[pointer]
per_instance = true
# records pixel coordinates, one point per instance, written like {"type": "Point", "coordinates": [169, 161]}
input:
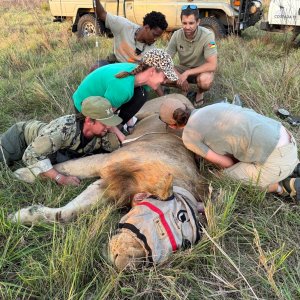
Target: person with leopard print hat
{"type": "Point", "coordinates": [125, 85]}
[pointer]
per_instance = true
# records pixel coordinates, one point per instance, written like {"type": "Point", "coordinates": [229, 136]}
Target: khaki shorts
{"type": "Point", "coordinates": [279, 165]}
{"type": "Point", "coordinates": [181, 69]}
{"type": "Point", "coordinates": [193, 78]}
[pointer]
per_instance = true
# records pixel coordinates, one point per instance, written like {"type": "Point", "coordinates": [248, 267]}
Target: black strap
{"type": "Point", "coordinates": [172, 197]}
{"type": "Point", "coordinates": [199, 230]}
{"type": "Point", "coordinates": [140, 236]}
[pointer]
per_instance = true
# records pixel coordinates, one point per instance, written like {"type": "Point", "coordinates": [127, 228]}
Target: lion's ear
{"type": "Point", "coordinates": [164, 188]}
{"type": "Point", "coordinates": [125, 251]}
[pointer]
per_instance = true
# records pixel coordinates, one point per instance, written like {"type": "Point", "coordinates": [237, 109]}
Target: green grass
{"type": "Point", "coordinates": [251, 246]}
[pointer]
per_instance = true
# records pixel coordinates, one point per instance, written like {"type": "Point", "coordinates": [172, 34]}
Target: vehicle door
{"type": "Point", "coordinates": [134, 10]}
{"type": "Point", "coordinates": [284, 12]}
{"type": "Point", "coordinates": [170, 8]}
{"type": "Point", "coordinates": [113, 6]}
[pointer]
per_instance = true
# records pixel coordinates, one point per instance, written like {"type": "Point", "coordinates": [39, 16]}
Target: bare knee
{"type": "Point", "coordinates": [205, 80]}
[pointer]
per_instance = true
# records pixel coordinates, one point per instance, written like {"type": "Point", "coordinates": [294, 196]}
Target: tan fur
{"type": "Point", "coordinates": [123, 181]}
{"type": "Point", "coordinates": [150, 164]}
{"type": "Point", "coordinates": [125, 251]}
{"type": "Point", "coordinates": [146, 162]}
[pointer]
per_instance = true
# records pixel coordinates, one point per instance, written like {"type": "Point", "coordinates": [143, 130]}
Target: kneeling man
{"type": "Point", "coordinates": [197, 53]}
{"type": "Point", "coordinates": [40, 145]}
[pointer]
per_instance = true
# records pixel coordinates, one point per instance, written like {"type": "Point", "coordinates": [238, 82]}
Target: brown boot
{"type": "Point", "coordinates": [296, 172]}
{"type": "Point", "coordinates": [291, 186]}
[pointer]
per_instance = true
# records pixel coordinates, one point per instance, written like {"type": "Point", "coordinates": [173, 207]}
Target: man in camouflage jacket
{"type": "Point", "coordinates": [40, 145]}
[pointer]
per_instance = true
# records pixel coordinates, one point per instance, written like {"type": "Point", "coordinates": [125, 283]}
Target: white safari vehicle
{"type": "Point", "coordinates": [283, 15]}
{"type": "Point", "coordinates": [222, 16]}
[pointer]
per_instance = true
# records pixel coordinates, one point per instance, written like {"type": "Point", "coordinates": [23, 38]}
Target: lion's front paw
{"type": "Point", "coordinates": [28, 216]}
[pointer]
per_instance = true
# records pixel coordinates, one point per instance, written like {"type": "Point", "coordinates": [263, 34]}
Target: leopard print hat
{"type": "Point", "coordinates": [161, 60]}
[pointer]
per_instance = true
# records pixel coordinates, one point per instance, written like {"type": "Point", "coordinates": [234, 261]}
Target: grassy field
{"type": "Point", "coordinates": [251, 248]}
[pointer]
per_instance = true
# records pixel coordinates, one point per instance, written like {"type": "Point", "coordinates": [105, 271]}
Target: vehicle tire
{"type": "Point", "coordinates": [215, 26]}
{"type": "Point", "coordinates": [88, 27]}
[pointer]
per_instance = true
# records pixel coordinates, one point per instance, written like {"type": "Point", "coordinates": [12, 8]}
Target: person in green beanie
{"type": "Point", "coordinates": [39, 145]}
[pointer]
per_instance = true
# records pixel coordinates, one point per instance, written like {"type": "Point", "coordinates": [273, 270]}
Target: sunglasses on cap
{"type": "Point", "coordinates": [190, 6]}
{"type": "Point", "coordinates": [138, 51]}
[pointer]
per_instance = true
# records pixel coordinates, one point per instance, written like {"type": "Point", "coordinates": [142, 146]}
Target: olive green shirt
{"type": "Point", "coordinates": [192, 53]}
{"type": "Point", "coordinates": [62, 133]}
{"type": "Point", "coordinates": [231, 130]}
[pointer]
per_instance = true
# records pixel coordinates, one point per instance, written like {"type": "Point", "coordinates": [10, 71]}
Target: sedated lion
{"type": "Point", "coordinates": [154, 163]}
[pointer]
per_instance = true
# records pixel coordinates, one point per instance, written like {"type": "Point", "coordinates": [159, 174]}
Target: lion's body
{"type": "Point", "coordinates": [147, 164]}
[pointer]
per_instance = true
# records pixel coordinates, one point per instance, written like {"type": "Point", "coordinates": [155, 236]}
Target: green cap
{"type": "Point", "coordinates": [100, 109]}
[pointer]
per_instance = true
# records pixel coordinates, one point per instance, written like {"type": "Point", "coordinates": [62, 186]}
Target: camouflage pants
{"type": "Point", "coordinates": [12, 144]}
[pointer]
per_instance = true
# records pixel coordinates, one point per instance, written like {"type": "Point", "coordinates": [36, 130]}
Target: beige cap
{"type": "Point", "coordinates": [100, 109]}
{"type": "Point", "coordinates": [167, 109]}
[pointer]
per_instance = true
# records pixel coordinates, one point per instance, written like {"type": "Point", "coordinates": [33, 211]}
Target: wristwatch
{"type": "Point", "coordinates": [58, 177]}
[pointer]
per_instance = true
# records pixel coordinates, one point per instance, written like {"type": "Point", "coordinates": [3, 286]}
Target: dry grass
{"type": "Point", "coordinates": [251, 245]}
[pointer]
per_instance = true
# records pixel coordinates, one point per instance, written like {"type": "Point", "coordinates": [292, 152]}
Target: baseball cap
{"type": "Point", "coordinates": [100, 109]}
{"type": "Point", "coordinates": [161, 60]}
{"type": "Point", "coordinates": [167, 109]}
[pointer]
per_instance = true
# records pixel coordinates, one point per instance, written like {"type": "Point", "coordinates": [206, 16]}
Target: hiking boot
{"type": "Point", "coordinates": [296, 172]}
{"type": "Point", "coordinates": [291, 186]}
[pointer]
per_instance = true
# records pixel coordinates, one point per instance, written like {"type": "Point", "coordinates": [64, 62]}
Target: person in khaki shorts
{"type": "Point", "coordinates": [39, 145]}
{"type": "Point", "coordinates": [248, 146]}
{"type": "Point", "coordinates": [197, 52]}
